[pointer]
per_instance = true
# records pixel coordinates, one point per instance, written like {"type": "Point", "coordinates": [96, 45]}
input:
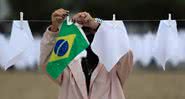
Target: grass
{"type": "Point", "coordinates": [156, 85]}
{"type": "Point", "coordinates": [142, 84]}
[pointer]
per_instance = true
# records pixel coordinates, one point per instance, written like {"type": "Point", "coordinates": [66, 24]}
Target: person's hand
{"type": "Point", "coordinates": [57, 18]}
{"type": "Point", "coordinates": [86, 20]}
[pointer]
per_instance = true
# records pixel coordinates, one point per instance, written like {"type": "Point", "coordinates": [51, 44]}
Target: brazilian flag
{"type": "Point", "coordinates": [70, 42]}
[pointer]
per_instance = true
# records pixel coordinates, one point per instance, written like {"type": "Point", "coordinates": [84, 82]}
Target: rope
{"type": "Point", "coordinates": [122, 20]}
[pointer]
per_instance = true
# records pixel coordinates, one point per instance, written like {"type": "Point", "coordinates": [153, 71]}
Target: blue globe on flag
{"type": "Point", "coordinates": [61, 47]}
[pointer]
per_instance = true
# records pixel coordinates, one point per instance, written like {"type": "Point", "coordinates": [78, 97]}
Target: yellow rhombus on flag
{"type": "Point", "coordinates": [70, 40]}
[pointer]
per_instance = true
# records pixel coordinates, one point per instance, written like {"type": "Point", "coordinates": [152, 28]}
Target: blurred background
{"type": "Point", "coordinates": [141, 19]}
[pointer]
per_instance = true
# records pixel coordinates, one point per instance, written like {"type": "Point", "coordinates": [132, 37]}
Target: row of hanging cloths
{"type": "Point", "coordinates": [108, 45]}
{"type": "Point", "coordinates": [166, 44]}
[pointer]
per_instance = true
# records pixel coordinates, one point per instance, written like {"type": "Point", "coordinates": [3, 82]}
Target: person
{"type": "Point", "coordinates": [86, 78]}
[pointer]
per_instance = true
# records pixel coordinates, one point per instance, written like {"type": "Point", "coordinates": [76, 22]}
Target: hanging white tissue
{"type": "Point", "coordinates": [20, 40]}
{"type": "Point", "coordinates": [110, 43]}
{"type": "Point", "coordinates": [166, 43]}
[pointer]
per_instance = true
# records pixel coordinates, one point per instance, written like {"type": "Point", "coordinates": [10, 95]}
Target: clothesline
{"type": "Point", "coordinates": [27, 20]}
{"type": "Point", "coordinates": [122, 20]}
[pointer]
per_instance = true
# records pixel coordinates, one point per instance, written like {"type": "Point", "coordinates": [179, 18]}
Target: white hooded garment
{"type": "Point", "coordinates": [110, 43]}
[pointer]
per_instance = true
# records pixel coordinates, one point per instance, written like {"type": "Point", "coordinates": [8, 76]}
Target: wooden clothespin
{"type": "Point", "coordinates": [114, 17]}
{"type": "Point", "coordinates": [169, 19]}
{"type": "Point", "coordinates": [114, 20]}
{"type": "Point", "coordinates": [21, 19]}
{"type": "Point", "coordinates": [169, 16]}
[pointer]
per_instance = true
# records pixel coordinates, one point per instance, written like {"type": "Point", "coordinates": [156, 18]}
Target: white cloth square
{"type": "Point", "coordinates": [20, 40]}
{"type": "Point", "coordinates": [110, 43]}
{"type": "Point", "coordinates": [166, 43]}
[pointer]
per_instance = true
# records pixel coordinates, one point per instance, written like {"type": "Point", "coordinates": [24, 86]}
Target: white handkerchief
{"type": "Point", "coordinates": [110, 43]}
{"type": "Point", "coordinates": [20, 40]}
{"type": "Point", "coordinates": [166, 43]}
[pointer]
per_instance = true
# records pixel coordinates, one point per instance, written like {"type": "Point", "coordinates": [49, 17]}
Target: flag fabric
{"type": "Point", "coordinates": [70, 42]}
{"type": "Point", "coordinates": [20, 40]}
{"type": "Point", "coordinates": [166, 43]}
{"type": "Point", "coordinates": [110, 43]}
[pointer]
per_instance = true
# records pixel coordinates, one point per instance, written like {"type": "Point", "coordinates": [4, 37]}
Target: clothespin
{"type": "Point", "coordinates": [114, 17]}
{"type": "Point", "coordinates": [114, 20]}
{"type": "Point", "coordinates": [21, 19]}
{"type": "Point", "coordinates": [69, 22]}
{"type": "Point", "coordinates": [169, 19]}
{"type": "Point", "coordinates": [169, 16]}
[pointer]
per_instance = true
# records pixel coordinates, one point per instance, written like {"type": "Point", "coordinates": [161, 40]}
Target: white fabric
{"type": "Point", "coordinates": [142, 47]}
{"type": "Point", "coordinates": [20, 40]}
{"type": "Point", "coordinates": [136, 44]}
{"type": "Point", "coordinates": [30, 57]}
{"type": "Point", "coordinates": [3, 49]}
{"type": "Point", "coordinates": [182, 47]}
{"type": "Point", "coordinates": [166, 44]}
{"type": "Point", "coordinates": [110, 43]}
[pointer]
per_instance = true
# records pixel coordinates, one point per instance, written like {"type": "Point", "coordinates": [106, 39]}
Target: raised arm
{"type": "Point", "coordinates": [46, 45]}
{"type": "Point", "coordinates": [124, 67]}
{"type": "Point", "coordinates": [48, 40]}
